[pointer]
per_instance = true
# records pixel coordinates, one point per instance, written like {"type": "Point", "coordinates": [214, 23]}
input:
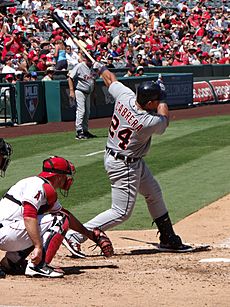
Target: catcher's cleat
{"type": "Point", "coordinates": [74, 248]}
{"type": "Point", "coordinates": [42, 271]}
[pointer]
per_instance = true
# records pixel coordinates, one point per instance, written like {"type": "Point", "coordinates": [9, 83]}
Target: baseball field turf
{"type": "Point", "coordinates": [191, 161]}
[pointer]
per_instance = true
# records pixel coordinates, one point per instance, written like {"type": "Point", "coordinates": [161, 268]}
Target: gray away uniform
{"type": "Point", "coordinates": [83, 77]}
{"type": "Point", "coordinates": [128, 141]}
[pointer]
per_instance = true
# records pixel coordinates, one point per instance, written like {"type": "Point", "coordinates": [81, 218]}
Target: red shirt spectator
{"type": "Point", "coordinates": [42, 63]}
{"type": "Point", "coordinates": [13, 43]}
{"type": "Point", "coordinates": [177, 60]}
{"type": "Point", "coordinates": [100, 24]}
{"type": "Point", "coordinates": [103, 39]}
{"type": "Point", "coordinates": [115, 22]}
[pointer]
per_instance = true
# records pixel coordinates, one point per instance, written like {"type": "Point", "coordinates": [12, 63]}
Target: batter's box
{"type": "Point", "coordinates": [157, 249]}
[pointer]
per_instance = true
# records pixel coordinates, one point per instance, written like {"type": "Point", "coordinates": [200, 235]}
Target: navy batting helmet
{"type": "Point", "coordinates": [148, 91]}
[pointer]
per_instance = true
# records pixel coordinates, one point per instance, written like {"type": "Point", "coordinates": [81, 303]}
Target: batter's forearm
{"type": "Point", "coordinates": [108, 77]}
{"type": "Point", "coordinates": [163, 110]}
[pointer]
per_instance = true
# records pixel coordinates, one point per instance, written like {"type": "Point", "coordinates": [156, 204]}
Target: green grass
{"type": "Point", "coordinates": [191, 161]}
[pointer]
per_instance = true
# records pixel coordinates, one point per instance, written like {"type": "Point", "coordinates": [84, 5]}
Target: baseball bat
{"type": "Point", "coordinates": [64, 27]}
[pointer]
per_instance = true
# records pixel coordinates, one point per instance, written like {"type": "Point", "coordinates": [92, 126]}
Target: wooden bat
{"type": "Point", "coordinates": [64, 27]}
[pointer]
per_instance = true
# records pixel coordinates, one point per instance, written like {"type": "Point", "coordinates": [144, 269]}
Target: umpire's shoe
{"type": "Point", "coordinates": [43, 270]}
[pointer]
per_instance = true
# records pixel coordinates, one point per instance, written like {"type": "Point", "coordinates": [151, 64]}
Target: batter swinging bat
{"type": "Point", "coordinates": [64, 27]}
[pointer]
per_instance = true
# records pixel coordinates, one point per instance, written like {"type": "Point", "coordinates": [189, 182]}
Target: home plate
{"type": "Point", "coordinates": [215, 260]}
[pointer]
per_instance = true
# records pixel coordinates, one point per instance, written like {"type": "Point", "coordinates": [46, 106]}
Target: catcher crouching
{"type": "Point", "coordinates": [33, 222]}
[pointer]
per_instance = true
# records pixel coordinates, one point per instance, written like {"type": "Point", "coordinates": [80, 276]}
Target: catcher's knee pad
{"type": "Point", "coordinates": [55, 236]}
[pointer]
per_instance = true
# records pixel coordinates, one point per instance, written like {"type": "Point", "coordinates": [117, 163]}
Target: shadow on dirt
{"type": "Point", "coordinates": [75, 270]}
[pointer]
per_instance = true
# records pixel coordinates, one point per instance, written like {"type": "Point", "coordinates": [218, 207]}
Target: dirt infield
{"type": "Point", "coordinates": [138, 275]}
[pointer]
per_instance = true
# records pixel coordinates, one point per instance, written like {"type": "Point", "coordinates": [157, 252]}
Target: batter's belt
{"type": "Point", "coordinates": [119, 156]}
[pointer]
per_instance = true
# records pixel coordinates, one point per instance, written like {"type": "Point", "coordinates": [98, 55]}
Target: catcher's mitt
{"type": "Point", "coordinates": [101, 240]}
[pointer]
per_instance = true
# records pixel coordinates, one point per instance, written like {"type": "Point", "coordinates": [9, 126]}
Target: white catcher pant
{"type": "Point", "coordinates": [126, 181]}
{"type": "Point", "coordinates": [14, 237]}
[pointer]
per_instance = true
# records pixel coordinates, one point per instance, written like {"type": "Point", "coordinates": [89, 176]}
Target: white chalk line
{"type": "Point", "coordinates": [208, 260]}
{"type": "Point", "coordinates": [93, 153]}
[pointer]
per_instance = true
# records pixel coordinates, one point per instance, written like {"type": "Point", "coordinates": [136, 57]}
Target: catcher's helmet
{"type": "Point", "coordinates": [57, 166]}
{"type": "Point", "coordinates": [148, 91]}
{"type": "Point", "coordinates": [5, 153]}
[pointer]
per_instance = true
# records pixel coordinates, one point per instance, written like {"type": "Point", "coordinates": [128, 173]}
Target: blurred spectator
{"type": "Point", "coordinates": [34, 76]}
{"type": "Point", "coordinates": [129, 10]}
{"type": "Point", "coordinates": [49, 74]}
{"type": "Point", "coordinates": [13, 43]}
{"type": "Point", "coordinates": [34, 63]}
{"type": "Point", "coordinates": [60, 54]}
{"type": "Point", "coordinates": [9, 78]}
{"type": "Point", "coordinates": [155, 26]}
{"type": "Point", "coordinates": [140, 72]}
{"type": "Point", "coordinates": [130, 72]}
{"type": "Point", "coordinates": [8, 66]}
{"type": "Point", "coordinates": [140, 61]}
{"type": "Point", "coordinates": [3, 27]}
{"type": "Point", "coordinates": [130, 61]}
{"type": "Point", "coordinates": [72, 57]}
{"type": "Point", "coordinates": [215, 50]}
{"type": "Point", "coordinates": [156, 61]}
{"type": "Point", "coordinates": [110, 62]}
{"type": "Point", "coordinates": [41, 64]}
{"type": "Point", "coordinates": [26, 77]}
{"type": "Point", "coordinates": [177, 60]}
{"type": "Point", "coordinates": [18, 75]}
{"type": "Point", "coordinates": [115, 22]}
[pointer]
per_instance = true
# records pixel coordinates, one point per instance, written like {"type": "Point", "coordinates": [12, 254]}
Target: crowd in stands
{"type": "Point", "coordinates": [132, 34]}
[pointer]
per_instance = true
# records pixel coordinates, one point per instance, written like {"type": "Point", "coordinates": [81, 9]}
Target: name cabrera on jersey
{"type": "Point", "coordinates": [131, 128]}
{"type": "Point", "coordinates": [27, 190]}
{"type": "Point", "coordinates": [83, 77]}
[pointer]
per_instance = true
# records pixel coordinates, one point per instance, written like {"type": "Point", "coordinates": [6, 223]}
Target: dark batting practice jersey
{"type": "Point", "coordinates": [131, 128]}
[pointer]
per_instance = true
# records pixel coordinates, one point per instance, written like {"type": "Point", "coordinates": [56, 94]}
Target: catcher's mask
{"type": "Point", "coordinates": [55, 166]}
{"type": "Point", "coordinates": [5, 153]}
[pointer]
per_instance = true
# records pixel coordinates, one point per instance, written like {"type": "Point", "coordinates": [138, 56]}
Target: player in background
{"type": "Point", "coordinates": [5, 154]}
{"type": "Point", "coordinates": [136, 118]}
{"type": "Point", "coordinates": [81, 81]}
{"type": "Point", "coordinates": [32, 220]}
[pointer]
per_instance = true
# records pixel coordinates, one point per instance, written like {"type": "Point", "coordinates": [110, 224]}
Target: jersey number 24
{"type": "Point", "coordinates": [122, 134]}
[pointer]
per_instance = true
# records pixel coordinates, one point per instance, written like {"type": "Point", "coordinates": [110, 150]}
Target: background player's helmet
{"type": "Point", "coordinates": [148, 91]}
{"type": "Point", "coordinates": [55, 166]}
{"type": "Point", "coordinates": [5, 153]}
